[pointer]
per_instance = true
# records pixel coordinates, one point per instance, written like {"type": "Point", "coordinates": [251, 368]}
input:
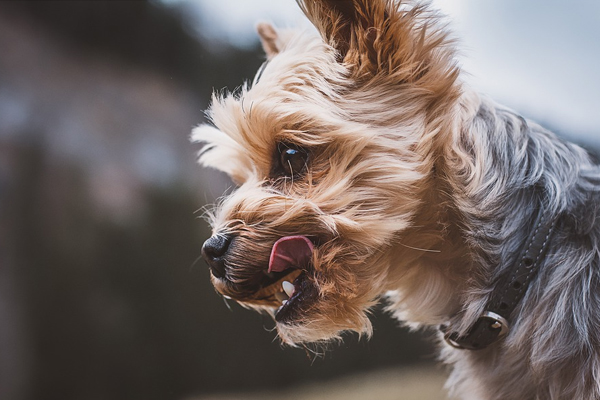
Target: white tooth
{"type": "Point", "coordinates": [288, 288]}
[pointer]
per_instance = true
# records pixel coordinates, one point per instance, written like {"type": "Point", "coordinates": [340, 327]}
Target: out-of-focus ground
{"type": "Point", "coordinates": [414, 383]}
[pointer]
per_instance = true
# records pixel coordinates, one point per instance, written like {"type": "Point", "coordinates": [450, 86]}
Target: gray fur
{"type": "Point", "coordinates": [553, 349]}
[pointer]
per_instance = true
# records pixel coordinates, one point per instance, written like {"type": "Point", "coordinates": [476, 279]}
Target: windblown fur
{"type": "Point", "coordinates": [415, 189]}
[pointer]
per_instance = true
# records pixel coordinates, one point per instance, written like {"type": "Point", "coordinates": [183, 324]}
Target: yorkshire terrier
{"type": "Point", "coordinates": [369, 171]}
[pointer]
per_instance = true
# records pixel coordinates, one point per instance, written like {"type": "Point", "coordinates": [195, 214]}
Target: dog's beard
{"type": "Point", "coordinates": [315, 278]}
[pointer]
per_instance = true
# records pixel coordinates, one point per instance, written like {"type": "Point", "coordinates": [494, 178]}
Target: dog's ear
{"type": "Point", "coordinates": [379, 36]}
{"type": "Point", "coordinates": [334, 19]}
{"type": "Point", "coordinates": [269, 39]}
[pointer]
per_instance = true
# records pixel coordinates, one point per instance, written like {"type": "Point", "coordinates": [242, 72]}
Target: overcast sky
{"type": "Point", "coordinates": [541, 57]}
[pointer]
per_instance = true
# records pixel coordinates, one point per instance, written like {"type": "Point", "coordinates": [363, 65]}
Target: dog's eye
{"type": "Point", "coordinates": [292, 160]}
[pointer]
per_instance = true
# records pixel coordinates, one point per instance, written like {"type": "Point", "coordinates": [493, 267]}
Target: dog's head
{"type": "Point", "coordinates": [332, 147]}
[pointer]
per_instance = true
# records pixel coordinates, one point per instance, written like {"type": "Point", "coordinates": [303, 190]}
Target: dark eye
{"type": "Point", "coordinates": [292, 160]}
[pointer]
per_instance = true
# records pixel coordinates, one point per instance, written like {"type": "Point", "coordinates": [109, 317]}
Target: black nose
{"type": "Point", "coordinates": [214, 250]}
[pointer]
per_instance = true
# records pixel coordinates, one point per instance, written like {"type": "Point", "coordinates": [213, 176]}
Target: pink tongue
{"type": "Point", "coordinates": [290, 252]}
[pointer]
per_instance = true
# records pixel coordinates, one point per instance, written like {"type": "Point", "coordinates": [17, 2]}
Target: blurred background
{"type": "Point", "coordinates": [102, 293]}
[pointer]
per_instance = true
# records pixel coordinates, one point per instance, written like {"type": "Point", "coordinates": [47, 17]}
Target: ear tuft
{"type": "Point", "coordinates": [268, 38]}
{"type": "Point", "coordinates": [333, 19]}
{"type": "Point", "coordinates": [398, 38]}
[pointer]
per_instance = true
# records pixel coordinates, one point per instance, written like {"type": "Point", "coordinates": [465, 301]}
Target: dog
{"type": "Point", "coordinates": [369, 171]}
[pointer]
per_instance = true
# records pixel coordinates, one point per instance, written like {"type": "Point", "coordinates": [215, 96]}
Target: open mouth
{"type": "Point", "coordinates": [289, 284]}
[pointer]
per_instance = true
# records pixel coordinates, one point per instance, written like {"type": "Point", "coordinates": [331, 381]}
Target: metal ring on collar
{"type": "Point", "coordinates": [499, 322]}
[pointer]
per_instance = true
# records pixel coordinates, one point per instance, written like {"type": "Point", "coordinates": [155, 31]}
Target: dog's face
{"type": "Point", "coordinates": [331, 147]}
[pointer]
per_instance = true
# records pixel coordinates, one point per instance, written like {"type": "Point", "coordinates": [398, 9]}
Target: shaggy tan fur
{"type": "Point", "coordinates": [371, 169]}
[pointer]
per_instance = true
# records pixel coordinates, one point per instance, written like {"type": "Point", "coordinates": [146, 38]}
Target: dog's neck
{"type": "Point", "coordinates": [430, 262]}
{"type": "Point", "coordinates": [435, 272]}
{"type": "Point", "coordinates": [459, 283]}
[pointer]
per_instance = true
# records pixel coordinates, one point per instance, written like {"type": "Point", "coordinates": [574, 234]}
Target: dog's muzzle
{"type": "Point", "coordinates": [214, 250]}
{"type": "Point", "coordinates": [283, 280]}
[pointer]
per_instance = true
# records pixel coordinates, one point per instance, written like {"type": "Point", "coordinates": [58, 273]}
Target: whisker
{"type": "Point", "coordinates": [419, 249]}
